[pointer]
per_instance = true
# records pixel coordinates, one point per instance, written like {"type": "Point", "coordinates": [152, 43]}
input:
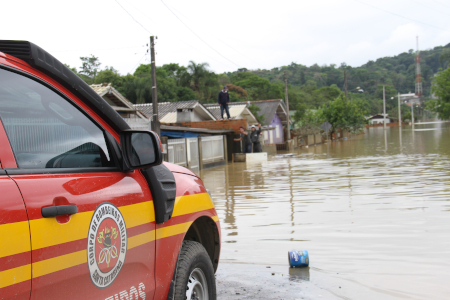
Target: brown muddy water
{"type": "Point", "coordinates": [373, 211]}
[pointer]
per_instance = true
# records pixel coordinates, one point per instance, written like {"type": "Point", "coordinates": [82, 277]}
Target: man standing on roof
{"type": "Point", "coordinates": [254, 137]}
{"type": "Point", "coordinates": [244, 136]}
{"type": "Point", "coordinates": [223, 100]}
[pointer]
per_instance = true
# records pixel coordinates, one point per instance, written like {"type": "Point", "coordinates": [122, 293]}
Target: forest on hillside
{"type": "Point", "coordinates": [308, 87]}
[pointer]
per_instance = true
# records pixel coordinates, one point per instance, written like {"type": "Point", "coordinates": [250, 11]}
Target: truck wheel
{"type": "Point", "coordinates": [194, 279]}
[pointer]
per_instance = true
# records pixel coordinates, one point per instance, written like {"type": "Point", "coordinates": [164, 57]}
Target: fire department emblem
{"type": "Point", "coordinates": [106, 245]}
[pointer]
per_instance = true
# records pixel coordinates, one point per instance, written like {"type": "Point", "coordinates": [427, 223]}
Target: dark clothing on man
{"type": "Point", "coordinates": [254, 136]}
{"type": "Point", "coordinates": [248, 148]}
{"type": "Point", "coordinates": [247, 143]}
{"type": "Point", "coordinates": [223, 100]}
{"type": "Point", "coordinates": [224, 107]}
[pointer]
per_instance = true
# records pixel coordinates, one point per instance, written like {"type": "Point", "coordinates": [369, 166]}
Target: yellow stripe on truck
{"type": "Point", "coordinates": [15, 238]}
{"type": "Point", "coordinates": [48, 232]}
{"type": "Point", "coordinates": [172, 230]}
{"type": "Point", "coordinates": [59, 263]}
{"type": "Point", "coordinates": [15, 275]}
{"type": "Point", "coordinates": [192, 203]}
{"type": "Point", "coordinates": [73, 259]}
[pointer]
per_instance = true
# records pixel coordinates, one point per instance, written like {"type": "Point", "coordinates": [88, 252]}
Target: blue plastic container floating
{"type": "Point", "coordinates": [298, 259]}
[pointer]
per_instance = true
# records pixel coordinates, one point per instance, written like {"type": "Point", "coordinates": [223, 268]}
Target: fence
{"type": "Point", "coordinates": [186, 152]}
{"type": "Point", "coordinates": [176, 149]}
{"type": "Point", "coordinates": [212, 148]}
{"type": "Point", "coordinates": [193, 160]}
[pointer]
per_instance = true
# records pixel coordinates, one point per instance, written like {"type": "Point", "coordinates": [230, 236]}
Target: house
{"type": "Point", "coordinates": [275, 115]}
{"type": "Point", "coordinates": [409, 98]}
{"type": "Point", "coordinates": [176, 112]}
{"type": "Point", "coordinates": [379, 119]}
{"type": "Point", "coordinates": [238, 110]}
{"type": "Point", "coordinates": [124, 108]}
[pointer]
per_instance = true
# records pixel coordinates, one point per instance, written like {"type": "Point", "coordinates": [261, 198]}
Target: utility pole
{"type": "Point", "coordinates": [384, 108]}
{"type": "Point", "coordinates": [412, 115]}
{"type": "Point", "coordinates": [345, 83]}
{"type": "Point", "coordinates": [287, 106]}
{"type": "Point", "coordinates": [155, 119]}
{"type": "Point", "coordinates": [399, 112]}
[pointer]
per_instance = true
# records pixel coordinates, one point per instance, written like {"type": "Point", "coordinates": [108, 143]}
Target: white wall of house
{"type": "Point", "coordinates": [379, 121]}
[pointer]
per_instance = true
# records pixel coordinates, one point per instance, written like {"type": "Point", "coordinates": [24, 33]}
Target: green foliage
{"type": "Point", "coordinates": [109, 75]}
{"type": "Point", "coordinates": [255, 109]}
{"type": "Point", "coordinates": [258, 88]}
{"type": "Point", "coordinates": [300, 111]}
{"type": "Point", "coordinates": [441, 89]}
{"type": "Point", "coordinates": [444, 58]}
{"type": "Point", "coordinates": [343, 114]}
{"type": "Point", "coordinates": [311, 120]}
{"type": "Point", "coordinates": [89, 67]}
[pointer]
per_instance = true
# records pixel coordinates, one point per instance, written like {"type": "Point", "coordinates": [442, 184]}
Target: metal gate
{"type": "Point", "coordinates": [177, 151]}
{"type": "Point", "coordinates": [212, 148]}
{"type": "Point", "coordinates": [192, 153]}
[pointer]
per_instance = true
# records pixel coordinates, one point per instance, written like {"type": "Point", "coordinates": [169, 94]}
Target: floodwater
{"type": "Point", "coordinates": [373, 211]}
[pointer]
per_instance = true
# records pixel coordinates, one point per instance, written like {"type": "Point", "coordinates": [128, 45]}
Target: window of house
{"type": "Point", "coordinates": [45, 130]}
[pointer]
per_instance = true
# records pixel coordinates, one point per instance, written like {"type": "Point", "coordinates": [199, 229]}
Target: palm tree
{"type": "Point", "coordinates": [197, 72]}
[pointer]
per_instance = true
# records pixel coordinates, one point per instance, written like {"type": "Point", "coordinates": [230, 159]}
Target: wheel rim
{"type": "Point", "coordinates": [197, 286]}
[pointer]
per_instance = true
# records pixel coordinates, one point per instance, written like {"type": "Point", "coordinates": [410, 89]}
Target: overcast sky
{"type": "Point", "coordinates": [240, 33]}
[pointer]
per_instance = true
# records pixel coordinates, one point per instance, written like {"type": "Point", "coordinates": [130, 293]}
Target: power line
{"type": "Point", "coordinates": [154, 22]}
{"type": "Point", "coordinates": [401, 16]}
{"type": "Point", "coordinates": [133, 17]}
{"type": "Point", "coordinates": [441, 3]}
{"type": "Point", "coordinates": [197, 34]}
{"type": "Point", "coordinates": [430, 7]}
{"type": "Point", "coordinates": [71, 50]}
{"type": "Point", "coordinates": [135, 66]}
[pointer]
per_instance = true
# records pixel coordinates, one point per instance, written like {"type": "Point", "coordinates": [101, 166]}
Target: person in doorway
{"type": "Point", "coordinates": [245, 137]}
{"type": "Point", "coordinates": [254, 137]}
{"type": "Point", "coordinates": [224, 99]}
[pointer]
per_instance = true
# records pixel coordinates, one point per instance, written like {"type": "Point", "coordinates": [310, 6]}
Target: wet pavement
{"type": "Point", "coordinates": [373, 211]}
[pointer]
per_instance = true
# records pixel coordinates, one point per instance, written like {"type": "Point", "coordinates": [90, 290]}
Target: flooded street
{"type": "Point", "coordinates": [373, 211]}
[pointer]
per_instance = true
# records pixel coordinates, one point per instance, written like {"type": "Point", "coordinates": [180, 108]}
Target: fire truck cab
{"type": "Point", "coordinates": [88, 209]}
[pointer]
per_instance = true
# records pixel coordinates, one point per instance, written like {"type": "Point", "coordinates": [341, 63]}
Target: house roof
{"type": "Point", "coordinates": [115, 98]}
{"type": "Point", "coordinates": [380, 116]}
{"type": "Point", "coordinates": [271, 107]}
{"type": "Point", "coordinates": [236, 109]}
{"type": "Point", "coordinates": [167, 111]}
{"type": "Point", "coordinates": [194, 129]}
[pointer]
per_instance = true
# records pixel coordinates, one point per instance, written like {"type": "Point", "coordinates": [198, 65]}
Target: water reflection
{"type": "Point", "coordinates": [374, 207]}
{"type": "Point", "coordinates": [299, 274]}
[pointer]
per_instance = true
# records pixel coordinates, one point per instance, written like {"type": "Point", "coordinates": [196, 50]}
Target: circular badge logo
{"type": "Point", "coordinates": [106, 245]}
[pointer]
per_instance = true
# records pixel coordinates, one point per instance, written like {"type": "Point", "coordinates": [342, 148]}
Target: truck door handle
{"type": "Point", "coordinates": [53, 211]}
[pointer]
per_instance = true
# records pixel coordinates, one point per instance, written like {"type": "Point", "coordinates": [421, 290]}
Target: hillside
{"type": "Point", "coordinates": [398, 71]}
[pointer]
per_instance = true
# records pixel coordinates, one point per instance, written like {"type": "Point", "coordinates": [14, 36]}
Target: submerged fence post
{"type": "Point", "coordinates": [200, 154]}
{"type": "Point", "coordinates": [225, 149]}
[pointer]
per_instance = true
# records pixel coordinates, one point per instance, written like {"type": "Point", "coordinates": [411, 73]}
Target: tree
{"type": "Point", "coordinates": [444, 58]}
{"type": "Point", "coordinates": [441, 89]}
{"type": "Point", "coordinates": [255, 109]}
{"type": "Point", "coordinates": [300, 111]}
{"type": "Point", "coordinates": [109, 75]}
{"type": "Point", "coordinates": [342, 114]}
{"type": "Point", "coordinates": [198, 73]}
{"type": "Point", "coordinates": [89, 67]}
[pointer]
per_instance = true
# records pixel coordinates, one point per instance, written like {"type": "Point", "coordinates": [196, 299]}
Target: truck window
{"type": "Point", "coordinates": [45, 130]}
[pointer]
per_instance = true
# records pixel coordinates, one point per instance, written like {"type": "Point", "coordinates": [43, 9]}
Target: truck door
{"type": "Point", "coordinates": [92, 226]}
{"type": "Point", "coordinates": [15, 247]}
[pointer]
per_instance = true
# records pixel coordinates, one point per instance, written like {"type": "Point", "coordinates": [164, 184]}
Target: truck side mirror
{"type": "Point", "coordinates": [140, 149]}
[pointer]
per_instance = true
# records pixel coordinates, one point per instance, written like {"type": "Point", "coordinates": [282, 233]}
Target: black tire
{"type": "Point", "coordinates": [193, 257]}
